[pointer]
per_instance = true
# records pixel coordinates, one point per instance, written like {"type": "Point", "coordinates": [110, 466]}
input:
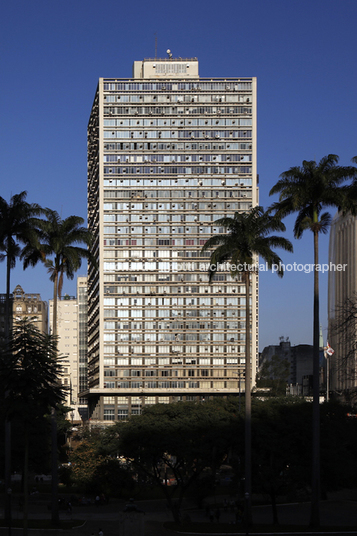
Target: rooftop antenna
{"type": "Point", "coordinates": [155, 45]}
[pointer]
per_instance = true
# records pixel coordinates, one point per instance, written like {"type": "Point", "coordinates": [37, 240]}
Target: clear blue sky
{"type": "Point", "coordinates": [303, 53]}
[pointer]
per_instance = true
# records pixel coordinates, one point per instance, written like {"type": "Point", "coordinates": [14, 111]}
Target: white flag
{"type": "Point", "coordinates": [329, 350]}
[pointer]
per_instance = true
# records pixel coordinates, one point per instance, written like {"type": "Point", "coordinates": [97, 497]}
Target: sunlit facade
{"type": "Point", "coordinates": [168, 154]}
{"type": "Point", "coordinates": [72, 312]}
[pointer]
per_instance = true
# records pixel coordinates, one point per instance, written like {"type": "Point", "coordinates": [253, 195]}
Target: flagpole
{"type": "Point", "coordinates": [328, 352]}
{"type": "Point", "coordinates": [327, 377]}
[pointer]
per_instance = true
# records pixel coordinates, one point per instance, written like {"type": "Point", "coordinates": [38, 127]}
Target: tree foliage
{"type": "Point", "coordinates": [29, 371]}
{"type": "Point", "coordinates": [59, 245]}
{"type": "Point", "coordinates": [282, 442]}
{"type": "Point", "coordinates": [16, 230]}
{"type": "Point", "coordinates": [16, 226]}
{"type": "Point", "coordinates": [95, 470]}
{"type": "Point", "coordinates": [274, 374]}
{"type": "Point", "coordinates": [62, 240]}
{"type": "Point", "coordinates": [248, 235]}
{"type": "Point", "coordinates": [176, 443]}
{"type": "Point", "coordinates": [187, 443]}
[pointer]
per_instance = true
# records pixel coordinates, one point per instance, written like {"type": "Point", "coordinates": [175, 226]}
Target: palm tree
{"type": "Point", "coordinates": [247, 236]}
{"type": "Point", "coordinates": [15, 229]}
{"type": "Point", "coordinates": [62, 240]}
{"type": "Point", "coordinates": [307, 190]}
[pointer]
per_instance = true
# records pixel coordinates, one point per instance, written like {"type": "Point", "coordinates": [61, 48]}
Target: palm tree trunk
{"type": "Point", "coordinates": [54, 319]}
{"type": "Point", "coordinates": [7, 421]}
{"type": "Point", "coordinates": [315, 484]}
{"type": "Point", "coordinates": [54, 458]}
{"type": "Point", "coordinates": [274, 507]}
{"type": "Point", "coordinates": [248, 410]}
{"type": "Point", "coordinates": [25, 481]}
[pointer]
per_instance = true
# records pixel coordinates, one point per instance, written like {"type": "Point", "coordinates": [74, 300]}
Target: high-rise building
{"type": "Point", "coordinates": [168, 154]}
{"type": "Point", "coordinates": [72, 347]}
{"type": "Point", "coordinates": [292, 364]}
{"type": "Point", "coordinates": [342, 303]}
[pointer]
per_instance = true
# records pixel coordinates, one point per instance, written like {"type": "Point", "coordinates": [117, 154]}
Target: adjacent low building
{"type": "Point", "coordinates": [72, 347]}
{"type": "Point", "coordinates": [24, 305]}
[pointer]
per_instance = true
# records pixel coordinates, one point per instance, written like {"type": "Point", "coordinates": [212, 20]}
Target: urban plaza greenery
{"type": "Point", "coordinates": [57, 244]}
{"type": "Point", "coordinates": [183, 444]}
{"type": "Point", "coordinates": [189, 450]}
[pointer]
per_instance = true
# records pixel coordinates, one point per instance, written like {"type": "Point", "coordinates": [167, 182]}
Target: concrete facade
{"type": "Point", "coordinates": [72, 347]}
{"type": "Point", "coordinates": [168, 154]}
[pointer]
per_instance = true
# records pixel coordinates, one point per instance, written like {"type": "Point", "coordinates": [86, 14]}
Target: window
{"type": "Point", "coordinates": [205, 385]}
{"type": "Point", "coordinates": [136, 385]}
{"type": "Point", "coordinates": [122, 414]}
{"type": "Point", "coordinates": [164, 385]}
{"type": "Point", "coordinates": [150, 385]}
{"type": "Point", "coordinates": [109, 414]}
{"type": "Point", "coordinates": [192, 384]}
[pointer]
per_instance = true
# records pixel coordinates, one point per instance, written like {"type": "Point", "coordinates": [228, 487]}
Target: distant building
{"type": "Point", "coordinates": [299, 357]}
{"type": "Point", "coordinates": [72, 346]}
{"type": "Point", "coordinates": [23, 306]}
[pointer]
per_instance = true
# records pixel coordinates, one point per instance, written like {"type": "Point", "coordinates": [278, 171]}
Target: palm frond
{"type": "Point", "coordinates": [247, 236]}
{"type": "Point", "coordinates": [325, 222]}
{"type": "Point", "coordinates": [308, 188]}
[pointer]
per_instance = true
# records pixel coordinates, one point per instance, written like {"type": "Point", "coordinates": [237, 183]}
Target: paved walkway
{"type": "Point", "coordinates": [337, 511]}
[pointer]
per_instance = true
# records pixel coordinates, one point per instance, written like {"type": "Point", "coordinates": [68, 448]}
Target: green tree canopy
{"type": "Point", "coordinates": [176, 441]}
{"type": "Point", "coordinates": [29, 372]}
{"type": "Point", "coordinates": [16, 229]}
{"type": "Point", "coordinates": [274, 374]}
{"type": "Point", "coordinates": [59, 245]}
